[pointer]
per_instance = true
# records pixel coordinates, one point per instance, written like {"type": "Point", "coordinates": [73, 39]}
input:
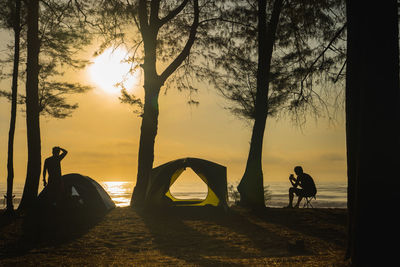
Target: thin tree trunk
{"type": "Point", "coordinates": [32, 109]}
{"type": "Point", "coordinates": [14, 91]}
{"type": "Point", "coordinates": [373, 140]}
{"type": "Point", "coordinates": [251, 187]}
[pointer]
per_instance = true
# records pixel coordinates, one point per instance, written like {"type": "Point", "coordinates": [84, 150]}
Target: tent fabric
{"type": "Point", "coordinates": [162, 178]}
{"type": "Point", "coordinates": [89, 193]}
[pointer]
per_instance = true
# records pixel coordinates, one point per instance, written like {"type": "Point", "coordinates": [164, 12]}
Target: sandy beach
{"type": "Point", "coordinates": [180, 237]}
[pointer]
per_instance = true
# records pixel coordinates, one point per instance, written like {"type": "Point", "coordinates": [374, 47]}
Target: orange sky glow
{"type": "Point", "coordinates": [102, 136]}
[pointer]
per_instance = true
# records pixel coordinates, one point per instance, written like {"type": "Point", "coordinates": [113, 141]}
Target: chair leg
{"type": "Point", "coordinates": [307, 203]}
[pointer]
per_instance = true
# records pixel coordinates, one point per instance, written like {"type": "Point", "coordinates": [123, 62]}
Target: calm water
{"type": "Point", "coordinates": [330, 195]}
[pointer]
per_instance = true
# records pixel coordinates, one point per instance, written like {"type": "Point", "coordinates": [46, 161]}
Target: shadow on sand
{"type": "Point", "coordinates": [39, 229]}
{"type": "Point", "coordinates": [328, 225]}
{"type": "Point", "coordinates": [207, 236]}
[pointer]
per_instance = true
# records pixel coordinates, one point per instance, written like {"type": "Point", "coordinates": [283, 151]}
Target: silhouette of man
{"type": "Point", "coordinates": [53, 166]}
{"type": "Point", "coordinates": [305, 181]}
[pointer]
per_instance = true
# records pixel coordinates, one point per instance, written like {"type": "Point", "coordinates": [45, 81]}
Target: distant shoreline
{"type": "Point", "coordinates": [330, 195]}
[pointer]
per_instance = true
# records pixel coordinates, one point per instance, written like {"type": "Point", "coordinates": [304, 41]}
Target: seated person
{"type": "Point", "coordinates": [306, 183]}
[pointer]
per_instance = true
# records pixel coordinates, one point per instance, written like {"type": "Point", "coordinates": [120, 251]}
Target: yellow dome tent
{"type": "Point", "coordinates": [162, 177]}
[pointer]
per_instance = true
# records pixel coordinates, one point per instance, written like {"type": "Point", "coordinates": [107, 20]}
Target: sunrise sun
{"type": "Point", "coordinates": [109, 69]}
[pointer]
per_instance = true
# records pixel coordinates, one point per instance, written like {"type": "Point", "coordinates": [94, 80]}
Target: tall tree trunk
{"type": "Point", "coordinates": [373, 140]}
{"type": "Point", "coordinates": [251, 187]}
{"type": "Point", "coordinates": [32, 108]}
{"type": "Point", "coordinates": [148, 129]}
{"type": "Point", "coordinates": [148, 132]}
{"type": "Point", "coordinates": [14, 91]}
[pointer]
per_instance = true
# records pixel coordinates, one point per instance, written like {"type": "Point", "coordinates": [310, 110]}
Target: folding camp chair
{"type": "Point", "coordinates": [307, 202]}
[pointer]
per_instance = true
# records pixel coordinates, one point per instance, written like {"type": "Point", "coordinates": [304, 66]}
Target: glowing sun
{"type": "Point", "coordinates": [109, 69]}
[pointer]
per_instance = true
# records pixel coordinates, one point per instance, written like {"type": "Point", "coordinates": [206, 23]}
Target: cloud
{"type": "Point", "coordinates": [268, 159]}
{"type": "Point", "coordinates": [332, 157]}
{"type": "Point", "coordinates": [100, 156]}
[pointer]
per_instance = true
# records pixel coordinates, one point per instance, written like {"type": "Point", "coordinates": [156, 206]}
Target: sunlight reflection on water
{"type": "Point", "coordinates": [120, 192]}
{"type": "Point", "coordinates": [330, 195]}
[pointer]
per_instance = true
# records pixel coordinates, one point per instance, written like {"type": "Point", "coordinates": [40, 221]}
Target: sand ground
{"type": "Point", "coordinates": [180, 237]}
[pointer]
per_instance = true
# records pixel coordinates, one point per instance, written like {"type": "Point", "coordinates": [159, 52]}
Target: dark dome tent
{"type": "Point", "coordinates": [162, 178]}
{"type": "Point", "coordinates": [89, 195]}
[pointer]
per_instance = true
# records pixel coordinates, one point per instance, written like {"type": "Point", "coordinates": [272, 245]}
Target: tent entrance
{"type": "Point", "coordinates": [208, 198]}
{"type": "Point", "coordinates": [188, 185]}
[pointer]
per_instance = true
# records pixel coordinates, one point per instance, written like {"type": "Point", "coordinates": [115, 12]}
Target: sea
{"type": "Point", "coordinates": [329, 195]}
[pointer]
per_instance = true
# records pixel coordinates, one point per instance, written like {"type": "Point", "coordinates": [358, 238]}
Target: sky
{"type": "Point", "coordinates": [102, 136]}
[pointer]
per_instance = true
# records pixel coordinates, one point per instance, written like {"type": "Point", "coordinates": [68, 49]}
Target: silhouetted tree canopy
{"type": "Point", "coordinates": [62, 34]}
{"type": "Point", "coordinates": [119, 25]}
{"type": "Point", "coordinates": [309, 50]}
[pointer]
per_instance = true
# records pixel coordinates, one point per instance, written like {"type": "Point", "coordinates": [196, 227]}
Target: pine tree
{"type": "Point", "coordinates": [305, 37]}
{"type": "Point", "coordinates": [63, 33]}
{"type": "Point", "coordinates": [166, 31]}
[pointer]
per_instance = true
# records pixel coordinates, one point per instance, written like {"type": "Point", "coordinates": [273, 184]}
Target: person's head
{"type": "Point", "coordinates": [56, 151]}
{"type": "Point", "coordinates": [298, 170]}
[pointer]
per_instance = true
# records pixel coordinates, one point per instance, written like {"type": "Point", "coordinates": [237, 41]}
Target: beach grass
{"type": "Point", "coordinates": [198, 236]}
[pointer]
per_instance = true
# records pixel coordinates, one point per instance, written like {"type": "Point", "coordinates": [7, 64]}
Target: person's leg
{"type": "Point", "coordinates": [298, 201]}
{"type": "Point", "coordinates": [291, 195]}
{"type": "Point", "coordinates": [59, 192]}
{"type": "Point", "coordinates": [300, 193]}
{"type": "Point", "coordinates": [52, 189]}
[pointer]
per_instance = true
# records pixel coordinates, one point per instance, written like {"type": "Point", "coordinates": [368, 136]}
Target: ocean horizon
{"type": "Point", "coordinates": [329, 195]}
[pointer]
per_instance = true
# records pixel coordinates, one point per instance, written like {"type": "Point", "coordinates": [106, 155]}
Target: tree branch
{"type": "Point", "coordinates": [83, 13]}
{"type": "Point", "coordinates": [228, 21]}
{"type": "Point", "coordinates": [186, 50]}
{"type": "Point", "coordinates": [322, 53]}
{"type": "Point", "coordinates": [173, 13]}
{"type": "Point", "coordinates": [340, 72]}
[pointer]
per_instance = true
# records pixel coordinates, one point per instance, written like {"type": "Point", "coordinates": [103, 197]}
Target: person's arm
{"type": "Point", "coordinates": [63, 153]}
{"type": "Point", "coordinates": [44, 173]}
{"type": "Point", "coordinates": [293, 180]}
{"type": "Point", "coordinates": [297, 182]}
{"type": "Point", "coordinates": [300, 180]}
